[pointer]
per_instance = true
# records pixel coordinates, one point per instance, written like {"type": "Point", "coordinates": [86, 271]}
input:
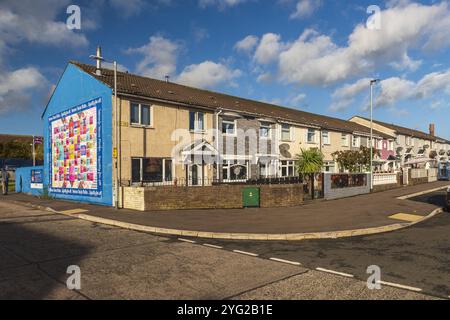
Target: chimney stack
{"type": "Point", "coordinates": [432, 129]}
{"type": "Point", "coordinates": [99, 58]}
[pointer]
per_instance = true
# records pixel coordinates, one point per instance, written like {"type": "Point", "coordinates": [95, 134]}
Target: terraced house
{"type": "Point", "coordinates": [168, 134]}
{"type": "Point", "coordinates": [412, 147]}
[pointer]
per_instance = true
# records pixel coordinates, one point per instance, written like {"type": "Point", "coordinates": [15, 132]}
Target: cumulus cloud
{"type": "Point", "coordinates": [315, 59]}
{"type": "Point", "coordinates": [207, 74]}
{"type": "Point", "coordinates": [247, 44]}
{"type": "Point", "coordinates": [16, 88]}
{"type": "Point", "coordinates": [268, 48]}
{"type": "Point", "coordinates": [159, 57]}
{"type": "Point", "coordinates": [305, 8]}
{"type": "Point", "coordinates": [394, 89]}
{"type": "Point", "coordinates": [36, 22]}
{"type": "Point", "coordinates": [221, 4]}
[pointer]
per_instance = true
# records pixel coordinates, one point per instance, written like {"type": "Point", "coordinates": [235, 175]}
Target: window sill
{"type": "Point", "coordinates": [141, 126]}
{"type": "Point", "coordinates": [198, 131]}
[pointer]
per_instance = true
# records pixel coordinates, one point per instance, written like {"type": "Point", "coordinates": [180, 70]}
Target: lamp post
{"type": "Point", "coordinates": [372, 83]}
{"type": "Point", "coordinates": [98, 57]}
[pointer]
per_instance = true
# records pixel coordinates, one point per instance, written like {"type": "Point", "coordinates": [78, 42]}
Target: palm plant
{"type": "Point", "coordinates": [309, 161]}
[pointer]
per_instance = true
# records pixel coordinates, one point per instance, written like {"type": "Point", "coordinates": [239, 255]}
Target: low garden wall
{"type": "Point", "coordinates": [208, 197]}
{"type": "Point", "coordinates": [342, 185]}
{"type": "Point", "coordinates": [386, 181]}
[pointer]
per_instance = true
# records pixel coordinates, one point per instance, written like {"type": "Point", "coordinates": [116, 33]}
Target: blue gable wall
{"type": "Point", "coordinates": [74, 89]}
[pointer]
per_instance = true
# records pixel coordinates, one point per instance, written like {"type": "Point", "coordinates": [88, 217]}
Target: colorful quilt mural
{"type": "Point", "coordinates": [76, 150]}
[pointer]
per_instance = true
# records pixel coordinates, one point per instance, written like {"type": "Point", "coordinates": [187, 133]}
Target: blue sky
{"type": "Point", "coordinates": [313, 55]}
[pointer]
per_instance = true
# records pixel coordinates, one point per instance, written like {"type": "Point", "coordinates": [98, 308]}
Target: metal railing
{"type": "Point", "coordinates": [183, 182]}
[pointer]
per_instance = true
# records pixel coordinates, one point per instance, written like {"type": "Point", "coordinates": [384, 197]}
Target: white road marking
{"type": "Point", "coordinates": [286, 261]}
{"type": "Point", "coordinates": [186, 240]}
{"type": "Point", "coordinates": [212, 246]}
{"type": "Point", "coordinates": [400, 286]}
{"type": "Point", "coordinates": [246, 253]}
{"type": "Point", "coordinates": [336, 272]}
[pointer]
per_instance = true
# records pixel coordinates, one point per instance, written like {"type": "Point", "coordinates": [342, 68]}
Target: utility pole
{"type": "Point", "coordinates": [372, 83]}
{"type": "Point", "coordinates": [34, 153]}
{"type": "Point", "coordinates": [116, 153]}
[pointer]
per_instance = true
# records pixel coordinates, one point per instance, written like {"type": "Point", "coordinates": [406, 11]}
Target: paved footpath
{"type": "Point", "coordinates": [360, 212]}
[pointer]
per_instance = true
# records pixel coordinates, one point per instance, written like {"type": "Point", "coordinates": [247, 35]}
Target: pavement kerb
{"type": "Point", "coordinates": [242, 236]}
{"type": "Point", "coordinates": [408, 196]}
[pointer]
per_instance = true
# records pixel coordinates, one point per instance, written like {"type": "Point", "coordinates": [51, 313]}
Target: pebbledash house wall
{"type": "Point", "coordinates": [75, 88]}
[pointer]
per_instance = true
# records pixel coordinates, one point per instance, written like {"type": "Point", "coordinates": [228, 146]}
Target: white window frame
{"type": "Point", "coordinates": [356, 142]}
{"type": "Point", "coordinates": [140, 124]}
{"type": "Point", "coordinates": [287, 164]}
{"type": "Point", "coordinates": [141, 167]}
{"type": "Point", "coordinates": [344, 143]}
{"type": "Point", "coordinates": [269, 132]}
{"type": "Point", "coordinates": [196, 121]}
{"type": "Point", "coordinates": [234, 123]}
{"type": "Point", "coordinates": [289, 127]}
{"type": "Point", "coordinates": [229, 164]}
{"type": "Point", "coordinates": [331, 164]}
{"type": "Point", "coordinates": [314, 132]}
{"type": "Point", "coordinates": [327, 134]}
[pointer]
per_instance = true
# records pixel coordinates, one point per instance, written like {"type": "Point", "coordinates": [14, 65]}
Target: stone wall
{"type": "Point", "coordinates": [273, 196]}
{"type": "Point", "coordinates": [209, 197]}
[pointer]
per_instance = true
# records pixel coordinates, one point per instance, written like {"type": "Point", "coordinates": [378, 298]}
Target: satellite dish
{"type": "Point", "coordinates": [284, 150]}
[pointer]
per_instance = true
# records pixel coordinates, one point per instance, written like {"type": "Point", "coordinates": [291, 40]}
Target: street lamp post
{"type": "Point", "coordinates": [372, 83]}
{"type": "Point", "coordinates": [98, 57]}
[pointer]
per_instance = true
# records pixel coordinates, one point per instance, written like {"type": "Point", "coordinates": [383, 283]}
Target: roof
{"type": "Point", "coordinates": [132, 84]}
{"type": "Point", "coordinates": [407, 131]}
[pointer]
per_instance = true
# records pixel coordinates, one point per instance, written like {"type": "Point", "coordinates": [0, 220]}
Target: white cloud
{"type": "Point", "coordinates": [207, 74]}
{"type": "Point", "coordinates": [36, 22]}
{"type": "Point", "coordinates": [221, 4]}
{"type": "Point", "coordinates": [305, 8]}
{"type": "Point", "coordinates": [394, 89]}
{"type": "Point", "coordinates": [298, 99]}
{"type": "Point", "coordinates": [315, 59]}
{"type": "Point", "coordinates": [159, 57]}
{"type": "Point", "coordinates": [268, 49]}
{"type": "Point", "coordinates": [16, 88]}
{"type": "Point", "coordinates": [129, 7]}
{"type": "Point", "coordinates": [247, 44]}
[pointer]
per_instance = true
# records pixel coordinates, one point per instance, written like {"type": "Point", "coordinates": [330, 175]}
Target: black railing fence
{"type": "Point", "coordinates": [183, 182]}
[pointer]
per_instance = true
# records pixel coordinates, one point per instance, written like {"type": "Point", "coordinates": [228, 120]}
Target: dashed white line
{"type": "Point", "coordinates": [336, 272]}
{"type": "Point", "coordinates": [286, 261]}
{"type": "Point", "coordinates": [186, 240]}
{"type": "Point", "coordinates": [246, 253]}
{"type": "Point", "coordinates": [212, 246]}
{"type": "Point", "coordinates": [400, 286]}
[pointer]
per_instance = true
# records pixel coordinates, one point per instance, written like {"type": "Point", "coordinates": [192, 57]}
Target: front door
{"type": "Point", "coordinates": [195, 175]}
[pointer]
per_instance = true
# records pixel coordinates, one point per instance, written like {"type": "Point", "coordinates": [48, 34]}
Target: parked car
{"type": "Point", "coordinates": [447, 200]}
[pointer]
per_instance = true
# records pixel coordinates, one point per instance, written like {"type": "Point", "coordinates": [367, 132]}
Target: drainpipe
{"type": "Point", "coordinates": [217, 145]}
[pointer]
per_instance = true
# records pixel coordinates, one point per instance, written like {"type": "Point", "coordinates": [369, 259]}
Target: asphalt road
{"type": "Point", "coordinates": [417, 257]}
{"type": "Point", "coordinates": [37, 247]}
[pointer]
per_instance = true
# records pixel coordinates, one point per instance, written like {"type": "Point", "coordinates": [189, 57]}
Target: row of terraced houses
{"type": "Point", "coordinates": [172, 134]}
